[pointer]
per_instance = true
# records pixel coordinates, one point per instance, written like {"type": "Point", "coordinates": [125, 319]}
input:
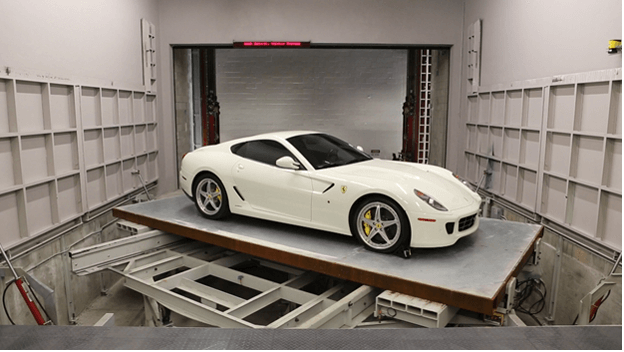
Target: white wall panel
{"type": "Point", "coordinates": [4, 107]}
{"type": "Point", "coordinates": [125, 107]}
{"type": "Point", "coordinates": [7, 171]}
{"type": "Point", "coordinates": [96, 188]}
{"type": "Point", "coordinates": [496, 138]}
{"type": "Point", "coordinates": [69, 197]}
{"type": "Point", "coordinates": [612, 173]}
{"type": "Point", "coordinates": [112, 144]}
{"type": "Point", "coordinates": [9, 217]}
{"type": "Point", "coordinates": [511, 145]}
{"type": "Point", "coordinates": [561, 150]}
{"type": "Point", "coordinates": [583, 208]}
{"type": "Point", "coordinates": [93, 148]}
{"type": "Point", "coordinates": [533, 111]}
{"type": "Point", "coordinates": [530, 148]}
{"type": "Point", "coordinates": [510, 180]}
{"type": "Point", "coordinates": [484, 140]}
{"type": "Point", "coordinates": [610, 220]}
{"type": "Point", "coordinates": [562, 102]}
{"type": "Point", "coordinates": [554, 197]}
{"type": "Point", "coordinates": [498, 108]}
{"type": "Point", "coordinates": [29, 99]}
{"type": "Point", "coordinates": [64, 152]}
{"type": "Point", "coordinates": [615, 109]}
{"type": "Point", "coordinates": [587, 158]}
{"type": "Point", "coordinates": [109, 107]}
{"type": "Point", "coordinates": [63, 63]}
{"type": "Point", "coordinates": [513, 108]}
{"type": "Point", "coordinates": [36, 157]}
{"type": "Point", "coordinates": [38, 207]}
{"type": "Point", "coordinates": [484, 108]}
{"type": "Point", "coordinates": [557, 144]}
{"type": "Point", "coordinates": [525, 40]}
{"type": "Point", "coordinates": [62, 107]}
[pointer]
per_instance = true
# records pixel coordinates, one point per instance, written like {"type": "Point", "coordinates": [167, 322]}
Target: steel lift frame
{"type": "Point", "coordinates": [167, 268]}
{"type": "Point", "coordinates": [183, 276]}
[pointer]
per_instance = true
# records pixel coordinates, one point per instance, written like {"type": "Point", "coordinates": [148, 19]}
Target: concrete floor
{"type": "Point", "coordinates": [124, 303]}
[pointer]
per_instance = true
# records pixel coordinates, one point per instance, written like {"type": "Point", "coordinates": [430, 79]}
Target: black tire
{"type": "Point", "coordinates": [380, 225]}
{"type": "Point", "coordinates": [210, 197]}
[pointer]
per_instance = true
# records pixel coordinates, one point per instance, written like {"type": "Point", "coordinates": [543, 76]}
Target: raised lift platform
{"type": "Point", "coordinates": [472, 274]}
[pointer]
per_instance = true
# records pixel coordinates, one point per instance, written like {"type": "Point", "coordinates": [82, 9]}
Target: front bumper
{"type": "Point", "coordinates": [446, 229]}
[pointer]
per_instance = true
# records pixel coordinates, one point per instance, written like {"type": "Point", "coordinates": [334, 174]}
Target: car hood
{"type": "Point", "coordinates": [409, 176]}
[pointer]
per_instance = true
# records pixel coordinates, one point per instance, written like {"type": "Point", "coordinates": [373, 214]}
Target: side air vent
{"type": "Point", "coordinates": [328, 188]}
{"type": "Point", "coordinates": [239, 195]}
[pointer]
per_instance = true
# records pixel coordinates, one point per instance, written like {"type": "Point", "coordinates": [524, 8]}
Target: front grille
{"type": "Point", "coordinates": [467, 222]}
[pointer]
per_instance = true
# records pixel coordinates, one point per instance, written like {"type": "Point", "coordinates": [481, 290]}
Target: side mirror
{"type": "Point", "coordinates": [359, 148]}
{"type": "Point", "coordinates": [287, 162]}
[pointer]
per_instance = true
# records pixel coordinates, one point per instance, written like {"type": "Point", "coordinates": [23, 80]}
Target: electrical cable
{"type": "Point", "coordinates": [6, 311]}
{"type": "Point", "coordinates": [526, 290]}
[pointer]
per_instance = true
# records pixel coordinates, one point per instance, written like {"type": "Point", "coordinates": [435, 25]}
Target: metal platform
{"type": "Point", "coordinates": [471, 274]}
{"type": "Point", "coordinates": [522, 338]}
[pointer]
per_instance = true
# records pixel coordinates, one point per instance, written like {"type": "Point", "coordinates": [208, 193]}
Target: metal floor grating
{"type": "Point", "coordinates": [527, 338]}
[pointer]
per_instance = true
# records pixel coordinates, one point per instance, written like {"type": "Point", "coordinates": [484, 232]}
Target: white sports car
{"type": "Point", "coordinates": [319, 181]}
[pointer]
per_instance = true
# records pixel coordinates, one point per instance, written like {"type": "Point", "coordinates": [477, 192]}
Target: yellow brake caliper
{"type": "Point", "coordinates": [219, 196]}
{"type": "Point", "coordinates": [367, 228]}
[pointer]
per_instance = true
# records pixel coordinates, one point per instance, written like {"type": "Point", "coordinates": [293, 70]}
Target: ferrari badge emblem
{"type": "Point", "coordinates": [343, 189]}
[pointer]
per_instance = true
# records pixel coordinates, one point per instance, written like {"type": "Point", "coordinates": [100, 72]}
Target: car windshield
{"type": "Point", "coordinates": [323, 151]}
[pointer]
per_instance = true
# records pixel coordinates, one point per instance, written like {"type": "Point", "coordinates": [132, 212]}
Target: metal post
{"type": "Point", "coordinates": [6, 257]}
{"type": "Point", "coordinates": [67, 272]}
{"type": "Point", "coordinates": [138, 172]}
{"type": "Point", "coordinates": [555, 283]}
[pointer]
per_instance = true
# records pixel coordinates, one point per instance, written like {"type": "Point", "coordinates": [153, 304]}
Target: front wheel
{"type": "Point", "coordinates": [210, 197]}
{"type": "Point", "coordinates": [380, 224]}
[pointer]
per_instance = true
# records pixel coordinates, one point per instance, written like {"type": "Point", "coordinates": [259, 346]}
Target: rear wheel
{"type": "Point", "coordinates": [210, 197]}
{"type": "Point", "coordinates": [380, 224]}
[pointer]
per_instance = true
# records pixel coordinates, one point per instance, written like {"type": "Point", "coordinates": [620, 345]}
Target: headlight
{"type": "Point", "coordinates": [465, 183]}
{"type": "Point", "coordinates": [430, 201]}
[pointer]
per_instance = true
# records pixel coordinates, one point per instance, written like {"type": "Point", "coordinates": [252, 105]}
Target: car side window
{"type": "Point", "coordinates": [264, 151]}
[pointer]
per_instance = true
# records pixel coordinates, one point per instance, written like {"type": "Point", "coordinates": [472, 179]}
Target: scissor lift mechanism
{"type": "Point", "coordinates": [166, 268]}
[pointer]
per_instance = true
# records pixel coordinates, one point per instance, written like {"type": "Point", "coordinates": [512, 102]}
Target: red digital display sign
{"type": "Point", "coordinates": [252, 44]}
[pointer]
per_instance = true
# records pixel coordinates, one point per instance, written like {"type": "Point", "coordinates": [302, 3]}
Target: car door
{"type": "Point", "coordinates": [267, 187]}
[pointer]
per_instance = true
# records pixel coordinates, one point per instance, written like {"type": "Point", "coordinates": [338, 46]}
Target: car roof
{"type": "Point", "coordinates": [272, 135]}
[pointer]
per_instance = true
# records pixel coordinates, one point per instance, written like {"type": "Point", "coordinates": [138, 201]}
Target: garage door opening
{"type": "Point", "coordinates": [391, 101]}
